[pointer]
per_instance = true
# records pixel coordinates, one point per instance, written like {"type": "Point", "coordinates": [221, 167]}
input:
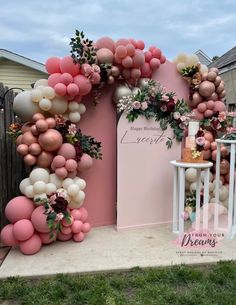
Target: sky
{"type": "Point", "coordinates": [40, 29]}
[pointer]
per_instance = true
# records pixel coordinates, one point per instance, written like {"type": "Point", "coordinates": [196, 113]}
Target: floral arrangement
{"type": "Point", "coordinates": [152, 101]}
{"type": "Point", "coordinates": [218, 123]}
{"type": "Point", "coordinates": [14, 130]}
{"type": "Point", "coordinates": [199, 144]}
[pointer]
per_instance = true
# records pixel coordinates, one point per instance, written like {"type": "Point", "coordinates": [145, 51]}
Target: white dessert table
{"type": "Point", "coordinates": [232, 195]}
{"type": "Point", "coordinates": [179, 193]}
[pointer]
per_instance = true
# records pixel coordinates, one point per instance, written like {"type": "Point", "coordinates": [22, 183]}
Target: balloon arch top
{"type": "Point", "coordinates": [52, 144]}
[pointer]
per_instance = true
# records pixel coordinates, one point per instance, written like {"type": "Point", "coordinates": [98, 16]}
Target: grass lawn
{"type": "Point", "coordinates": [211, 284]}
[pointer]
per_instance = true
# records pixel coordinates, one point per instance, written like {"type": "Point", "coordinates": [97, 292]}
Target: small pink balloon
{"type": "Point", "coordinates": [217, 81]}
{"type": "Point", "coordinates": [155, 63]}
{"type": "Point", "coordinates": [72, 89]}
{"type": "Point", "coordinates": [122, 42]}
{"type": "Point", "coordinates": [213, 155]}
{"type": "Point", "coordinates": [148, 56]}
{"type": "Point", "coordinates": [59, 161]}
{"type": "Point", "coordinates": [23, 229]}
{"type": "Point", "coordinates": [95, 78]}
{"type": "Point", "coordinates": [66, 230]}
{"type": "Point", "coordinates": [76, 214]}
{"type": "Point", "coordinates": [37, 116]}
{"type": "Point", "coordinates": [105, 42]}
{"type": "Point", "coordinates": [208, 136]}
{"type": "Point", "coordinates": [126, 73]}
{"type": "Point", "coordinates": [146, 70]}
{"type": "Point", "coordinates": [220, 88]}
{"type": "Point", "coordinates": [83, 83]}
{"type": "Point", "coordinates": [208, 113]}
{"type": "Point", "coordinates": [104, 55]}
{"type": "Point", "coordinates": [86, 227]}
{"type": "Point", "coordinates": [210, 104]}
{"type": "Point", "coordinates": [52, 65]}
{"type": "Point", "coordinates": [39, 220]}
{"type": "Point", "coordinates": [224, 151]}
{"type": "Point", "coordinates": [66, 223]}
{"type": "Point", "coordinates": [26, 127]}
{"type": "Point", "coordinates": [202, 107]}
{"type": "Point", "coordinates": [117, 59]}
{"type": "Point", "coordinates": [121, 51]}
{"type": "Point", "coordinates": [79, 237]}
{"type": "Point", "coordinates": [213, 146]}
{"type": "Point", "coordinates": [85, 162]}
{"type": "Point", "coordinates": [196, 99]}
{"type": "Point", "coordinates": [19, 139]}
{"type": "Point", "coordinates": [54, 79]}
{"type": "Point", "coordinates": [110, 80]}
{"type": "Point", "coordinates": [34, 130]}
{"type": "Point", "coordinates": [115, 71]}
{"type": "Point", "coordinates": [71, 165]}
{"type": "Point", "coordinates": [135, 73]}
{"type": "Point", "coordinates": [224, 167]}
{"type": "Point", "coordinates": [130, 49]}
{"type": "Point", "coordinates": [31, 245]}
{"type": "Point", "coordinates": [67, 150]}
{"type": "Point", "coordinates": [207, 145]}
{"type": "Point", "coordinates": [47, 238]}
{"type": "Point", "coordinates": [214, 96]}
{"type": "Point", "coordinates": [197, 115]}
{"type": "Point", "coordinates": [41, 125]}
{"type": "Point", "coordinates": [227, 178]}
{"type": "Point", "coordinates": [35, 149]}
{"type": "Point", "coordinates": [28, 138]}
{"type": "Point", "coordinates": [66, 79]}
{"type": "Point", "coordinates": [138, 59]}
{"type": "Point", "coordinates": [140, 44]}
{"type": "Point", "coordinates": [22, 149]}
{"type": "Point", "coordinates": [156, 53]}
{"type": "Point", "coordinates": [133, 42]}
{"type": "Point", "coordinates": [206, 154]}
{"type": "Point", "coordinates": [7, 236]}
{"type": "Point", "coordinates": [127, 62]}
{"type": "Point", "coordinates": [61, 172]}
{"type": "Point", "coordinates": [51, 122]}
{"type": "Point", "coordinates": [77, 226]}
{"type": "Point", "coordinates": [84, 214]}
{"type": "Point", "coordinates": [30, 159]}
{"type": "Point", "coordinates": [219, 106]}
{"type": "Point", "coordinates": [64, 237]}
{"type": "Point", "coordinates": [162, 59]}
{"type": "Point", "coordinates": [44, 159]}
{"type": "Point", "coordinates": [60, 89]}
{"type": "Point", "coordinates": [67, 65]}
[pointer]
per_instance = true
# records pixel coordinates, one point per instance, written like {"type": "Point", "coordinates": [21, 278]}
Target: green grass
{"type": "Point", "coordinates": [185, 285]}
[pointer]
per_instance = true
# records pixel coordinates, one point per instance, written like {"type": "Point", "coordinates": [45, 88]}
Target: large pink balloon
{"type": "Point", "coordinates": [23, 229]}
{"type": "Point", "coordinates": [67, 150]}
{"type": "Point", "coordinates": [146, 70]}
{"type": "Point", "coordinates": [44, 159]}
{"type": "Point", "coordinates": [155, 63]}
{"type": "Point", "coordinates": [140, 44]}
{"type": "Point", "coordinates": [60, 89]}
{"type": "Point", "coordinates": [76, 214]}
{"type": "Point", "coordinates": [105, 42]}
{"type": "Point", "coordinates": [52, 65]}
{"type": "Point", "coordinates": [51, 140]}
{"type": "Point", "coordinates": [67, 65]}
{"type": "Point", "coordinates": [64, 237]}
{"type": "Point", "coordinates": [39, 220]}
{"type": "Point", "coordinates": [206, 88]}
{"type": "Point", "coordinates": [209, 136]}
{"type": "Point", "coordinates": [79, 237]}
{"type": "Point", "coordinates": [77, 226]}
{"type": "Point", "coordinates": [127, 62]}
{"type": "Point", "coordinates": [31, 246]}
{"type": "Point", "coordinates": [104, 55]}
{"type": "Point", "coordinates": [219, 106]}
{"type": "Point", "coordinates": [83, 83]}
{"type": "Point", "coordinates": [7, 236]}
{"type": "Point", "coordinates": [19, 208]}
{"type": "Point", "coordinates": [86, 227]}
{"type": "Point", "coordinates": [122, 42]}
{"type": "Point", "coordinates": [121, 51]}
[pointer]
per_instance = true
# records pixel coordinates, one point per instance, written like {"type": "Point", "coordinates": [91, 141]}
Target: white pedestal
{"type": "Point", "coordinates": [179, 193]}
{"type": "Point", "coordinates": [232, 196]}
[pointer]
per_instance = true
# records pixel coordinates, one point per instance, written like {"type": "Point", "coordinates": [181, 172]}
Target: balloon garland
{"type": "Point", "coordinates": [51, 143]}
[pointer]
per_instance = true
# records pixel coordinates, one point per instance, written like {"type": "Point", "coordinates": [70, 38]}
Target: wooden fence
{"type": "Point", "coordinates": [11, 165]}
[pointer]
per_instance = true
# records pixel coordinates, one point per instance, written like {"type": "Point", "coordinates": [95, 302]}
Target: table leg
{"type": "Point", "coordinates": [217, 182]}
{"type": "Point", "coordinates": [206, 198]}
{"type": "Point", "coordinates": [181, 198]}
{"type": "Point", "coordinates": [198, 193]}
{"type": "Point", "coordinates": [175, 202]}
{"type": "Point", "coordinates": [231, 187]}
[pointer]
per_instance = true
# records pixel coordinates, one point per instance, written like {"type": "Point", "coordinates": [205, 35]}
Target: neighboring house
{"type": "Point", "coordinates": [227, 70]}
{"type": "Point", "coordinates": [19, 71]}
{"type": "Point", "coordinates": [203, 58]}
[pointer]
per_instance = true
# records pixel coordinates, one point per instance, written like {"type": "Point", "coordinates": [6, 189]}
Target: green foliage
{"type": "Point", "coordinates": [89, 145]}
{"type": "Point", "coordinates": [190, 71]}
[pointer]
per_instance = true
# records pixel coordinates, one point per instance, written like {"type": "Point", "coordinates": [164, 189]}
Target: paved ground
{"type": "Point", "coordinates": [106, 249]}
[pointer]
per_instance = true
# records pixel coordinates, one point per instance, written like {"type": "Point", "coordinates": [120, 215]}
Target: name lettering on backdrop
{"type": "Point", "coordinates": [141, 135]}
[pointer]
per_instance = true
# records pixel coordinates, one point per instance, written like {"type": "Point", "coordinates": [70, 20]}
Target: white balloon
{"type": "Point", "coordinates": [223, 193]}
{"type": "Point", "coordinates": [121, 91]}
{"type": "Point", "coordinates": [45, 104]}
{"type": "Point", "coordinates": [192, 60]}
{"type": "Point", "coordinates": [82, 108]}
{"type": "Point", "coordinates": [203, 175]}
{"type": "Point", "coordinates": [182, 57]}
{"type": "Point", "coordinates": [81, 182]}
{"type": "Point", "coordinates": [193, 187]}
{"type": "Point", "coordinates": [50, 188]}
{"type": "Point", "coordinates": [55, 180]}
{"type": "Point", "coordinates": [36, 95]}
{"type": "Point", "coordinates": [203, 69]}
{"type": "Point", "coordinates": [211, 187]}
{"type": "Point", "coordinates": [39, 198]}
{"type": "Point", "coordinates": [220, 183]}
{"type": "Point", "coordinates": [80, 197]}
{"type": "Point", "coordinates": [59, 105]}
{"type": "Point", "coordinates": [74, 117]}
{"type": "Point", "coordinates": [67, 182]}
{"type": "Point", "coordinates": [39, 187]}
{"type": "Point", "coordinates": [29, 191]}
{"type": "Point", "coordinates": [24, 183]}
{"type": "Point", "coordinates": [73, 106]}
{"type": "Point", "coordinates": [48, 92]}
{"type": "Point", "coordinates": [41, 82]}
{"type": "Point", "coordinates": [191, 174]}
{"type": "Point", "coordinates": [39, 174]}
{"type": "Point", "coordinates": [136, 90]}
{"type": "Point", "coordinates": [180, 66]}
{"type": "Point", "coordinates": [66, 116]}
{"type": "Point", "coordinates": [74, 205]}
{"type": "Point", "coordinates": [73, 189]}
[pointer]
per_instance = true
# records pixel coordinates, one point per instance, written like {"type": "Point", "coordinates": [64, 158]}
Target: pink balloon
{"type": "Point", "coordinates": [206, 154]}
{"type": "Point", "coordinates": [122, 42]}
{"type": "Point", "coordinates": [79, 237]}
{"type": "Point", "coordinates": [28, 138]}
{"type": "Point", "coordinates": [34, 130]}
{"type": "Point", "coordinates": [67, 65]}
{"type": "Point", "coordinates": [41, 125]}
{"type": "Point", "coordinates": [197, 115]}
{"type": "Point", "coordinates": [23, 149]}
{"type": "Point", "coordinates": [95, 78]}
{"type": "Point", "coordinates": [219, 106]}
{"type": "Point", "coordinates": [201, 107]}
{"type": "Point", "coordinates": [85, 162]}
{"type": "Point", "coordinates": [66, 230]}
{"type": "Point", "coordinates": [156, 53]}
{"type": "Point", "coordinates": [214, 96]}
{"type": "Point", "coordinates": [61, 172]}
{"type": "Point", "coordinates": [60, 89]}
{"type": "Point", "coordinates": [51, 140]}
{"type": "Point", "coordinates": [67, 150]}
{"type": "Point", "coordinates": [84, 214]}
{"type": "Point", "coordinates": [210, 104]}
{"type": "Point", "coordinates": [37, 116]}
{"type": "Point", "coordinates": [104, 55]}
{"type": "Point", "coordinates": [208, 113]}
{"type": "Point", "coordinates": [224, 167]}
{"type": "Point", "coordinates": [7, 236]}
{"type": "Point", "coordinates": [46, 238]}
{"type": "Point", "coordinates": [162, 59]}
{"type": "Point", "coordinates": [83, 83]}
{"type": "Point", "coordinates": [140, 44]}
{"type": "Point", "coordinates": [86, 227]}
{"type": "Point", "coordinates": [30, 159]}
{"type": "Point", "coordinates": [31, 246]}
{"type": "Point", "coordinates": [44, 159]}
{"type": "Point", "coordinates": [77, 226]}
{"type": "Point", "coordinates": [130, 49]}
{"type": "Point", "coordinates": [66, 79]}
{"type": "Point", "coordinates": [71, 165]}
{"type": "Point", "coordinates": [51, 122]}
{"type": "Point", "coordinates": [26, 127]}
{"type": "Point", "coordinates": [213, 146]}
{"type": "Point", "coordinates": [59, 161]}
{"type": "Point", "coordinates": [72, 89]}
{"type": "Point", "coordinates": [105, 42]}
{"type": "Point", "coordinates": [39, 220]}
{"type": "Point", "coordinates": [69, 223]}
{"type": "Point", "coordinates": [54, 79]}
{"type": "Point", "coordinates": [118, 60]}
{"type": "Point", "coordinates": [133, 42]}
{"type": "Point", "coordinates": [52, 65]}
{"type": "Point", "coordinates": [23, 229]}
{"type": "Point", "coordinates": [155, 63]}
{"type": "Point", "coordinates": [18, 139]}
{"type": "Point", "coordinates": [35, 149]}
{"type": "Point", "coordinates": [207, 145]}
{"type": "Point", "coordinates": [224, 151]}
{"type": "Point", "coordinates": [209, 136]}
{"type": "Point", "coordinates": [213, 155]}
{"type": "Point", "coordinates": [127, 62]}
{"type": "Point", "coordinates": [76, 214]}
{"type": "Point", "coordinates": [126, 73]}
{"type": "Point", "coordinates": [86, 69]}
{"type": "Point", "coordinates": [64, 237]}
{"type": "Point", "coordinates": [121, 51]}
{"type": "Point", "coordinates": [135, 73]}
{"type": "Point", "coordinates": [138, 59]}
{"type": "Point", "coordinates": [19, 208]}
{"type": "Point", "coordinates": [146, 70]}
{"type": "Point", "coordinates": [148, 56]}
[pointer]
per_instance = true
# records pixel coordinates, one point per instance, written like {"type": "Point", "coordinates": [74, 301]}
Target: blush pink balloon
{"type": "Point", "coordinates": [35, 149]}
{"type": "Point", "coordinates": [95, 78]}
{"type": "Point", "coordinates": [66, 230]}
{"type": "Point", "coordinates": [202, 107]}
{"type": "Point", "coordinates": [197, 115]}
{"type": "Point", "coordinates": [66, 79]}
{"type": "Point", "coordinates": [71, 165]}
{"type": "Point", "coordinates": [85, 162]}
{"type": "Point", "coordinates": [162, 59]}
{"type": "Point", "coordinates": [146, 70]}
{"type": "Point", "coordinates": [127, 62]}
{"type": "Point", "coordinates": [47, 238]}
{"type": "Point", "coordinates": [86, 227]}
{"type": "Point", "coordinates": [19, 208]}
{"type": "Point", "coordinates": [83, 83]}
{"type": "Point", "coordinates": [219, 106]}
{"type": "Point", "coordinates": [140, 44]}
{"type": "Point", "coordinates": [31, 245]}
{"type": "Point", "coordinates": [121, 51]}
{"type": "Point", "coordinates": [19, 139]}
{"type": "Point", "coordinates": [214, 96]}
{"type": "Point", "coordinates": [206, 154]}
{"type": "Point", "coordinates": [67, 150]}
{"type": "Point", "coordinates": [72, 89]}
{"type": "Point", "coordinates": [84, 214]}
{"type": "Point", "coordinates": [148, 56]}
{"type": "Point", "coordinates": [51, 140]}
{"type": "Point", "coordinates": [44, 159]}
{"type": "Point", "coordinates": [133, 42]}
{"type": "Point", "coordinates": [64, 237]}
{"type": "Point", "coordinates": [39, 220]}
{"type": "Point", "coordinates": [52, 65]}
{"type": "Point", "coordinates": [130, 49]}
{"type": "Point", "coordinates": [34, 130]}
{"type": "Point", "coordinates": [208, 113]}
{"type": "Point", "coordinates": [126, 73]}
{"type": "Point", "coordinates": [23, 229]}
{"type": "Point", "coordinates": [67, 65]}
{"type": "Point", "coordinates": [79, 237]}
{"type": "Point", "coordinates": [58, 161]}
{"type": "Point", "coordinates": [213, 155]}
{"type": "Point", "coordinates": [105, 42]}
{"type": "Point", "coordinates": [60, 89]}
{"type": "Point", "coordinates": [54, 79]}
{"type": "Point", "coordinates": [104, 55]}
{"type": "Point", "coordinates": [138, 59]}
{"type": "Point", "coordinates": [51, 122]}
{"type": "Point", "coordinates": [38, 116]}
{"type": "Point", "coordinates": [117, 59]}
{"type": "Point", "coordinates": [76, 214]}
{"type": "Point", "coordinates": [155, 63]}
{"type": "Point", "coordinates": [135, 73]}
{"type": "Point", "coordinates": [41, 125]}
{"type": "Point", "coordinates": [156, 53]}
{"type": "Point", "coordinates": [22, 149]}
{"type": "Point", "coordinates": [122, 42]}
{"type": "Point", "coordinates": [69, 223]}
{"type": "Point", "coordinates": [61, 172]}
{"type": "Point", "coordinates": [207, 145]}
{"type": "Point", "coordinates": [213, 146]}
{"type": "Point", "coordinates": [224, 167]}
{"type": "Point", "coordinates": [206, 88]}
{"type": "Point", "coordinates": [196, 99]}
{"type": "Point", "coordinates": [224, 151]}
{"type": "Point", "coordinates": [30, 159]}
{"type": "Point", "coordinates": [7, 236]}
{"type": "Point", "coordinates": [77, 226]}
{"type": "Point", "coordinates": [26, 127]}
{"type": "Point", "coordinates": [28, 138]}
{"type": "Point", "coordinates": [208, 136]}
{"type": "Point", "coordinates": [210, 104]}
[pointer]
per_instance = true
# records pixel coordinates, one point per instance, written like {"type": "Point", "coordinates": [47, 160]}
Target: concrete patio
{"type": "Point", "coordinates": [105, 249]}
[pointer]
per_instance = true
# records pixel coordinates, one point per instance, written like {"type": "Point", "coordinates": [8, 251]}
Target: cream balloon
{"type": "Point", "coordinates": [73, 106]}
{"type": "Point", "coordinates": [50, 188]}
{"type": "Point", "coordinates": [192, 60]}
{"type": "Point", "coordinates": [39, 187]}
{"type": "Point", "coordinates": [67, 182]}
{"type": "Point", "coordinates": [41, 82]}
{"type": "Point", "coordinates": [81, 183]}
{"type": "Point", "coordinates": [40, 198]}
{"type": "Point", "coordinates": [191, 174]}
{"type": "Point", "coordinates": [203, 69]}
{"type": "Point", "coordinates": [143, 83]}
{"type": "Point", "coordinates": [39, 174]}
{"type": "Point", "coordinates": [180, 66]}
{"type": "Point", "coordinates": [73, 190]}
{"type": "Point", "coordinates": [82, 108]}
{"type": "Point", "coordinates": [80, 197]}
{"type": "Point", "coordinates": [74, 117]}
{"type": "Point", "coordinates": [24, 183]}
{"type": "Point", "coordinates": [29, 191]}
{"type": "Point", "coordinates": [48, 92]}
{"type": "Point", "coordinates": [45, 104]}
{"type": "Point", "coordinates": [121, 91]}
{"type": "Point", "coordinates": [59, 105]}
{"type": "Point", "coordinates": [36, 95]}
{"type": "Point", "coordinates": [182, 57]}
{"type": "Point", "coordinates": [55, 180]}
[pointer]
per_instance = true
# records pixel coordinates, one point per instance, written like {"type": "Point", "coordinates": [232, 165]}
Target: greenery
{"type": "Point", "coordinates": [190, 71]}
{"type": "Point", "coordinates": [180, 285]}
{"type": "Point", "coordinates": [89, 145]}
{"type": "Point", "coordinates": [82, 49]}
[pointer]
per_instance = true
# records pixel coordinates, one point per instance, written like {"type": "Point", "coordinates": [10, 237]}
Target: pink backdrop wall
{"type": "Point", "coordinates": [100, 122]}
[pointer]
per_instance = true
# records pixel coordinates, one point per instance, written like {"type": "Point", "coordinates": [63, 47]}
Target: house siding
{"type": "Point", "coordinates": [13, 74]}
{"type": "Point", "coordinates": [229, 78]}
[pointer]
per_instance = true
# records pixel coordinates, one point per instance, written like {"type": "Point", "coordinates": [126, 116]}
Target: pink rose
{"type": "Point", "coordinates": [96, 68]}
{"type": "Point", "coordinates": [144, 105]}
{"type": "Point", "coordinates": [136, 105]}
{"type": "Point", "coordinates": [200, 141]}
{"type": "Point", "coordinates": [165, 98]}
{"type": "Point", "coordinates": [59, 216]}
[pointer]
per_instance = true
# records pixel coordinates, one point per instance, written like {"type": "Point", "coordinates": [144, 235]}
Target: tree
{"type": "Point", "coordinates": [215, 57]}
